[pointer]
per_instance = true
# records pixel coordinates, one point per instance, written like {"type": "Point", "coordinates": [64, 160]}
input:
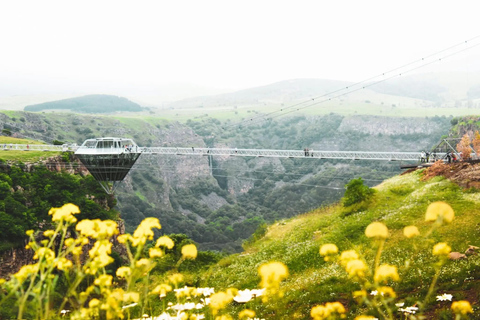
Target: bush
{"type": "Point", "coordinates": [356, 192]}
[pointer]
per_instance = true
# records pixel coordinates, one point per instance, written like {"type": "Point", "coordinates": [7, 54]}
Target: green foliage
{"type": "Point", "coordinates": [356, 192]}
{"type": "Point", "coordinates": [94, 103]}
{"type": "Point", "coordinates": [26, 198]}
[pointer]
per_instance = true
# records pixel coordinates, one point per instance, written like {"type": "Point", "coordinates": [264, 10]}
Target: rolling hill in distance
{"type": "Point", "coordinates": [427, 94]}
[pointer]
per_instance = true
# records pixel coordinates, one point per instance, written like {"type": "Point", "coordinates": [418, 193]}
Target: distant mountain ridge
{"type": "Point", "coordinates": [94, 103]}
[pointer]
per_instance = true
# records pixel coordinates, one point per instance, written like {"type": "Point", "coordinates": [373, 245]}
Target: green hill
{"type": "Point", "coordinates": [398, 202]}
{"type": "Point", "coordinates": [95, 103]}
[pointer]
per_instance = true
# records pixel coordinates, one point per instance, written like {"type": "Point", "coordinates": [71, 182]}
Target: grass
{"type": "Point", "coordinates": [398, 202]}
{"type": "Point", "coordinates": [23, 156]}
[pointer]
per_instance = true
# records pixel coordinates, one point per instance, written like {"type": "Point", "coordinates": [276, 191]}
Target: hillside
{"type": "Point", "coordinates": [398, 202]}
{"type": "Point", "coordinates": [94, 103]}
{"type": "Point", "coordinates": [220, 201]}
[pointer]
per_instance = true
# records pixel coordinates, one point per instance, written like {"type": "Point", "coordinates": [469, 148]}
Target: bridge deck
{"type": "Point", "coordinates": [194, 151]}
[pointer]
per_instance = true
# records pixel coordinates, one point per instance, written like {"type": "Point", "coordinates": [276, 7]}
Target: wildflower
{"type": "Point", "coordinates": [63, 264]}
{"type": "Point", "coordinates": [162, 290]}
{"type": "Point", "coordinates": [359, 294]}
{"type": "Point", "coordinates": [411, 310]}
{"type": "Point", "coordinates": [144, 231]}
{"type": "Point", "coordinates": [328, 249]}
{"type": "Point", "coordinates": [189, 251]}
{"type": "Point", "coordinates": [25, 272]}
{"type": "Point", "coordinates": [143, 263]}
{"type": "Point", "coordinates": [328, 310]}
{"type": "Point", "coordinates": [347, 256]}
{"type": "Point", "coordinates": [445, 297]}
{"type": "Point", "coordinates": [219, 301]}
{"type": "Point", "coordinates": [205, 291]}
{"type": "Point", "coordinates": [386, 272]}
{"type": "Point", "coordinates": [46, 253]}
{"type": "Point", "coordinates": [104, 280]}
{"type": "Point", "coordinates": [400, 304]}
{"type": "Point", "coordinates": [246, 313]}
{"type": "Point", "coordinates": [93, 303]}
{"type": "Point", "coordinates": [130, 306]}
{"type": "Point", "coordinates": [124, 272]}
{"type": "Point", "coordinates": [356, 268]}
{"type": "Point", "coordinates": [97, 229]}
{"type": "Point", "coordinates": [462, 307]}
{"type": "Point", "coordinates": [131, 297]}
{"type": "Point", "coordinates": [155, 253]}
{"type": "Point", "coordinates": [175, 278]}
{"type": "Point", "coordinates": [411, 231]}
{"type": "Point", "coordinates": [48, 233]}
{"type": "Point", "coordinates": [387, 292]}
{"type": "Point", "coordinates": [243, 296]}
{"type": "Point", "coordinates": [272, 274]}
{"type": "Point", "coordinates": [29, 232]}
{"type": "Point", "coordinates": [69, 241]}
{"type": "Point", "coordinates": [439, 211]}
{"type": "Point", "coordinates": [223, 317]}
{"type": "Point", "coordinates": [365, 318]}
{"type": "Point", "coordinates": [64, 213]}
{"type": "Point", "coordinates": [441, 249]}
{"type": "Point", "coordinates": [164, 241]}
{"type": "Point", "coordinates": [376, 230]}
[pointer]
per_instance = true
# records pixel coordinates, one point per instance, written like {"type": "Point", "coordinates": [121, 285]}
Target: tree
{"type": "Point", "coordinates": [7, 132]}
{"type": "Point", "coordinates": [476, 142]}
{"type": "Point", "coordinates": [356, 191]}
{"type": "Point", "coordinates": [464, 147]}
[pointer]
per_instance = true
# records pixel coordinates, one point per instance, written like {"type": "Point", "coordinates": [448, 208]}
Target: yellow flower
{"type": "Point", "coordinates": [356, 268]}
{"type": "Point", "coordinates": [359, 294]}
{"type": "Point", "coordinates": [155, 253]}
{"type": "Point", "coordinates": [189, 251]}
{"type": "Point", "coordinates": [63, 264]}
{"type": "Point", "coordinates": [104, 280]}
{"type": "Point", "coordinates": [26, 271]}
{"type": "Point", "coordinates": [162, 290]}
{"type": "Point", "coordinates": [46, 253]}
{"type": "Point", "coordinates": [64, 213]}
{"type": "Point", "coordinates": [219, 301]}
{"type": "Point", "coordinates": [93, 303]}
{"type": "Point", "coordinates": [272, 273]}
{"type": "Point", "coordinates": [69, 241]}
{"type": "Point", "coordinates": [439, 211]}
{"type": "Point", "coordinates": [347, 256]}
{"type": "Point", "coordinates": [175, 278]}
{"type": "Point", "coordinates": [365, 318]}
{"type": "Point", "coordinates": [29, 232]}
{"type": "Point", "coordinates": [49, 233]}
{"type": "Point", "coordinates": [411, 231]}
{"type": "Point", "coordinates": [328, 249]}
{"type": "Point", "coordinates": [462, 307]}
{"type": "Point", "coordinates": [123, 272]}
{"type": "Point", "coordinates": [97, 229]}
{"type": "Point", "coordinates": [144, 230]}
{"type": "Point", "coordinates": [143, 263]}
{"type": "Point", "coordinates": [441, 249]}
{"type": "Point", "coordinates": [131, 297]}
{"type": "Point", "coordinates": [386, 272]}
{"type": "Point", "coordinates": [376, 230]}
{"type": "Point", "coordinates": [328, 310]}
{"type": "Point", "coordinates": [224, 317]}
{"type": "Point", "coordinates": [165, 241]}
{"type": "Point", "coordinates": [246, 313]}
{"type": "Point", "coordinates": [387, 292]}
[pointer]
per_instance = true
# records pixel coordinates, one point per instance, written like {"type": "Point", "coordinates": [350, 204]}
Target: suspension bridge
{"type": "Point", "coordinates": [110, 159]}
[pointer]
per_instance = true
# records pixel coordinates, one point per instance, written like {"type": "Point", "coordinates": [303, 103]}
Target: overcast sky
{"type": "Point", "coordinates": [226, 44]}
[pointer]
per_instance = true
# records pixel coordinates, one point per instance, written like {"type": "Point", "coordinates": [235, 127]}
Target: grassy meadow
{"type": "Point", "coordinates": [6, 154]}
{"type": "Point", "coordinates": [398, 202]}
